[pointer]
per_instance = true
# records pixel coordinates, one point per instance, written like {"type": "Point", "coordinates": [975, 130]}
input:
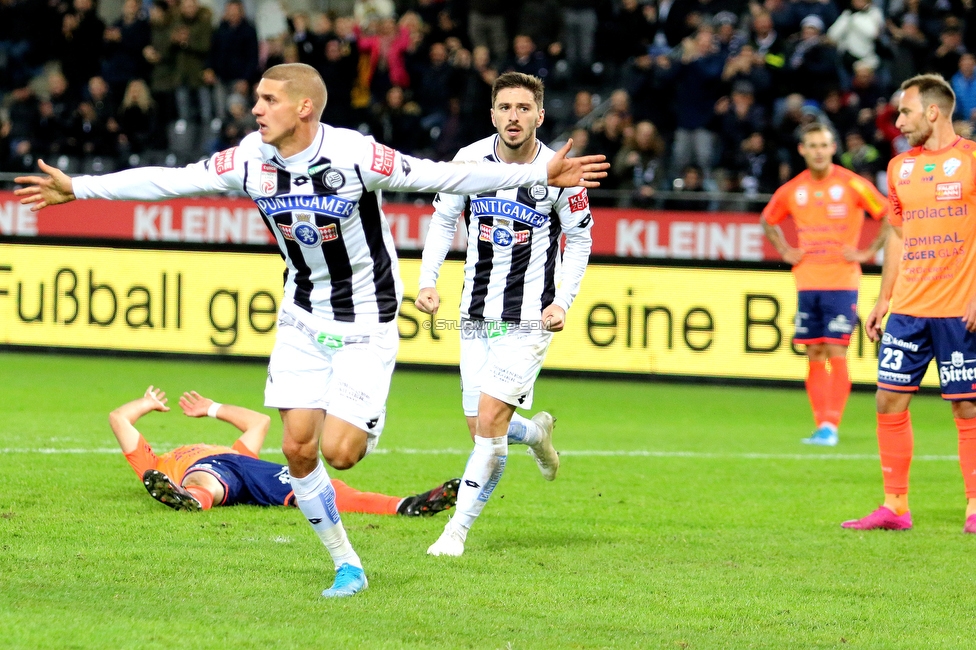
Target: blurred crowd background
{"type": "Point", "coordinates": [681, 95]}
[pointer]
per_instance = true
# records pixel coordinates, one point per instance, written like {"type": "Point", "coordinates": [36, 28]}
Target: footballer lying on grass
{"type": "Point", "coordinates": [201, 476]}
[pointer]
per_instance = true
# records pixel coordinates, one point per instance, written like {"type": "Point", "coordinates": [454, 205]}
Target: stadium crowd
{"type": "Point", "coordinates": [679, 94]}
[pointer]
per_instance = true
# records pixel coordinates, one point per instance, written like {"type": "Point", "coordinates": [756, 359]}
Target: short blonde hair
{"type": "Point", "coordinates": [301, 81]}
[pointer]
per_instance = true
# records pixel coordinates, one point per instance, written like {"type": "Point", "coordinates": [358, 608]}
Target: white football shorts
{"type": "Point", "coordinates": [501, 360]}
{"type": "Point", "coordinates": [341, 368]}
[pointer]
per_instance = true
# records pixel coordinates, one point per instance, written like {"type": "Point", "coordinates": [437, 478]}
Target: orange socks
{"type": "Point", "coordinates": [202, 495]}
{"type": "Point", "coordinates": [895, 447]}
{"type": "Point", "coordinates": [838, 390]}
{"type": "Point", "coordinates": [967, 455]}
{"type": "Point", "coordinates": [817, 386]}
{"type": "Point", "coordinates": [351, 500]}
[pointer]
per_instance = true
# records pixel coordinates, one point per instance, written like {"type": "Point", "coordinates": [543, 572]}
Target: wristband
{"type": "Point", "coordinates": [212, 411]}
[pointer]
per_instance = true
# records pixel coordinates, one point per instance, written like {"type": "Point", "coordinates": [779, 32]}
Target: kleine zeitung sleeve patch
{"type": "Point", "coordinates": [224, 161]}
{"type": "Point", "coordinates": [579, 202]}
{"type": "Point", "coordinates": [383, 158]}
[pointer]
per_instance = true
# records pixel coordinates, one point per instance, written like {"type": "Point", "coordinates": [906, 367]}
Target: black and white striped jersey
{"type": "Point", "coordinates": [513, 268]}
{"type": "Point", "coordinates": [323, 206]}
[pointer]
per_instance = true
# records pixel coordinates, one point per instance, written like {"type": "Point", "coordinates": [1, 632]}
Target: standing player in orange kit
{"type": "Point", "coordinates": [827, 203]}
{"type": "Point", "coordinates": [929, 282]}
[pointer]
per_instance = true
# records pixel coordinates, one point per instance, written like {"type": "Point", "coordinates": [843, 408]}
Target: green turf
{"type": "Point", "coordinates": [638, 551]}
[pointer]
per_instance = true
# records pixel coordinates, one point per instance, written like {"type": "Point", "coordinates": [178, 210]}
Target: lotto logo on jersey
{"type": "Point", "coordinates": [383, 158]}
{"type": "Point", "coordinates": [948, 191]}
{"type": "Point", "coordinates": [579, 202]}
{"type": "Point", "coordinates": [224, 161]}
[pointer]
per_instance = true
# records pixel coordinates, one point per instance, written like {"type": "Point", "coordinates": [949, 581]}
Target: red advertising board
{"type": "Point", "coordinates": [616, 232]}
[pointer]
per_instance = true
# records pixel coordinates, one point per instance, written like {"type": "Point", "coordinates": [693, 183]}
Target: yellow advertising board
{"type": "Point", "coordinates": [694, 322]}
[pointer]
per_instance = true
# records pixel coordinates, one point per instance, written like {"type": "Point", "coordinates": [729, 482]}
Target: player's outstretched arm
{"type": "Point", "coordinates": [123, 419]}
{"type": "Point", "coordinates": [42, 191]}
{"type": "Point", "coordinates": [583, 171]}
{"type": "Point", "coordinates": [253, 425]}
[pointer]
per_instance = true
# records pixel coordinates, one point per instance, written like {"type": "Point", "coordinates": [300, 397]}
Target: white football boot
{"type": "Point", "coordinates": [544, 453]}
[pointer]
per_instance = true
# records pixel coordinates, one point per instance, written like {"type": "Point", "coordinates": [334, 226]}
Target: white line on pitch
{"type": "Point", "coordinates": [638, 453]}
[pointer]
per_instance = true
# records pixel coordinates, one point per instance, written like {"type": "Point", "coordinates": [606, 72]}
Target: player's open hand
{"type": "Point", "coordinates": [554, 318]}
{"type": "Point", "coordinates": [44, 191]}
{"type": "Point", "coordinates": [872, 326]}
{"type": "Point", "coordinates": [194, 404]}
{"type": "Point", "coordinates": [583, 171]}
{"type": "Point", "coordinates": [156, 399]}
{"type": "Point", "coordinates": [428, 301]}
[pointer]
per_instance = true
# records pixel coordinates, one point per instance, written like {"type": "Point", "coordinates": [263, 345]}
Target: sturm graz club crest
{"type": "Point", "coordinates": [304, 232]}
{"type": "Point", "coordinates": [333, 179]}
{"type": "Point", "coordinates": [538, 192]}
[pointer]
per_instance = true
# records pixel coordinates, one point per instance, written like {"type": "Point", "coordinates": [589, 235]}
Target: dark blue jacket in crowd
{"type": "Point", "coordinates": [234, 51]}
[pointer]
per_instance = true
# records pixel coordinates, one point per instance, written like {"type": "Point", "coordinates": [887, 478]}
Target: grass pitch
{"type": "Point", "coordinates": [683, 516]}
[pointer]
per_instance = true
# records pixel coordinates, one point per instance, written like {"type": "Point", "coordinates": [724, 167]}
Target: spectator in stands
{"type": "Point", "coordinates": [541, 20]}
{"type": "Point", "coordinates": [437, 83]}
{"type": "Point", "coordinates": [690, 182]}
{"type": "Point", "coordinates": [579, 32]}
{"type": "Point", "coordinates": [812, 62]}
{"type": "Point", "coordinates": [80, 46]}
{"type": "Point", "coordinates": [161, 55]}
{"type": "Point", "coordinates": [860, 157]}
{"type": "Point", "coordinates": [964, 85]}
{"type": "Point", "coordinates": [385, 50]}
{"type": "Point", "coordinates": [945, 59]}
{"type": "Point", "coordinates": [698, 74]}
{"type": "Point", "coordinates": [909, 44]}
{"type": "Point", "coordinates": [855, 33]}
{"type": "Point", "coordinates": [396, 122]}
{"type": "Point", "coordinates": [726, 36]}
{"type": "Point", "coordinates": [54, 117]}
{"type": "Point", "coordinates": [842, 115]}
{"type": "Point", "coordinates": [630, 32]}
{"type": "Point", "coordinates": [123, 46]}
{"type": "Point", "coordinates": [233, 57]}
{"type": "Point", "coordinates": [527, 58]}
{"type": "Point", "coordinates": [747, 67]}
{"type": "Point", "coordinates": [238, 123]}
{"type": "Point", "coordinates": [755, 169]}
{"type": "Point", "coordinates": [651, 82]}
{"type": "Point", "coordinates": [770, 49]}
{"type": "Point", "coordinates": [894, 142]}
{"type": "Point", "coordinates": [15, 47]}
{"type": "Point", "coordinates": [136, 117]}
{"type": "Point", "coordinates": [309, 43]}
{"type": "Point", "coordinates": [90, 136]}
{"type": "Point", "coordinates": [486, 26]}
{"type": "Point", "coordinates": [825, 10]}
{"type": "Point", "coordinates": [780, 12]}
{"type": "Point", "coordinates": [607, 137]}
{"type": "Point", "coordinates": [736, 117]}
{"type": "Point", "coordinates": [475, 82]}
{"type": "Point", "coordinates": [339, 72]}
{"type": "Point", "coordinates": [638, 164]}
{"type": "Point", "coordinates": [191, 36]}
{"type": "Point", "coordinates": [865, 87]}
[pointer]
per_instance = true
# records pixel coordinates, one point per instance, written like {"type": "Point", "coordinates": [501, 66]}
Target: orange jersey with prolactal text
{"type": "Point", "coordinates": [828, 214]}
{"type": "Point", "coordinates": [931, 195]}
{"type": "Point", "coordinates": [175, 463]}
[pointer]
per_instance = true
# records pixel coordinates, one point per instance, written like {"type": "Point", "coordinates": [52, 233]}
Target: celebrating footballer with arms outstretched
{"type": "Point", "coordinates": [319, 191]}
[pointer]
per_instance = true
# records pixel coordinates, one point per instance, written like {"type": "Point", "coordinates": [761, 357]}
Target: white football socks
{"type": "Point", "coordinates": [523, 431]}
{"type": "Point", "coordinates": [316, 499]}
{"type": "Point", "coordinates": [485, 466]}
